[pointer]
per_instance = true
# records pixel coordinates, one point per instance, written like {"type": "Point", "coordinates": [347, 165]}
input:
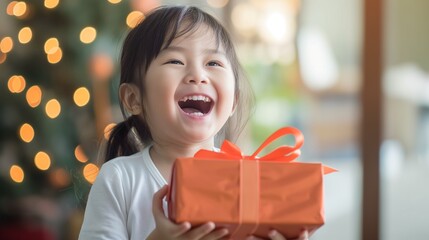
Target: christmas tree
{"type": "Point", "coordinates": [58, 70]}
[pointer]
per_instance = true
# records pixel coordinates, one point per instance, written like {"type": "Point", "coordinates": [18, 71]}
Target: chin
{"type": "Point", "coordinates": [197, 135]}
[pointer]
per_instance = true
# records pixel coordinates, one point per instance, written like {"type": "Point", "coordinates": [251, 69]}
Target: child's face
{"type": "Point", "coordinates": [189, 90]}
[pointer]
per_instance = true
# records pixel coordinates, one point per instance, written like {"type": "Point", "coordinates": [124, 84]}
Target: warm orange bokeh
{"type": "Point", "coordinates": [42, 161]}
{"type": "Point", "coordinates": [88, 35]}
{"type": "Point", "coordinates": [53, 108]}
{"type": "Point", "coordinates": [16, 173]}
{"type": "Point", "coordinates": [16, 84]}
{"type": "Point", "coordinates": [134, 18]}
{"type": "Point", "coordinates": [51, 3]}
{"type": "Point", "coordinates": [90, 172]}
{"type": "Point", "coordinates": [108, 129]}
{"type": "Point", "coordinates": [6, 44]}
{"type": "Point", "coordinates": [80, 155]}
{"type": "Point", "coordinates": [34, 96]}
{"type": "Point", "coordinates": [25, 35]}
{"type": "Point", "coordinates": [81, 96]}
{"type": "Point", "coordinates": [26, 132]}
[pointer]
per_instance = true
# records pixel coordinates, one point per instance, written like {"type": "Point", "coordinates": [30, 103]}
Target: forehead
{"type": "Point", "coordinates": [201, 35]}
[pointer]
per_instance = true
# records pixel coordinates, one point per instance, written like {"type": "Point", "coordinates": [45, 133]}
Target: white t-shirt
{"type": "Point", "coordinates": [120, 201]}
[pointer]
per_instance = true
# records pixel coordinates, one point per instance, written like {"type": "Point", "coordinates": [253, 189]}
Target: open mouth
{"type": "Point", "coordinates": [196, 105]}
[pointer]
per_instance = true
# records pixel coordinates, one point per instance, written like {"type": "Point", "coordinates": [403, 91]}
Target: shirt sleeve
{"type": "Point", "coordinates": [105, 214]}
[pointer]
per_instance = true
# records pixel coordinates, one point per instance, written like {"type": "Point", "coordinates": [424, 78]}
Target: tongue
{"type": "Point", "coordinates": [190, 110]}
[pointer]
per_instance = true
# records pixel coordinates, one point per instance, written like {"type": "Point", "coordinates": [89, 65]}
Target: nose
{"type": "Point", "coordinates": [196, 75]}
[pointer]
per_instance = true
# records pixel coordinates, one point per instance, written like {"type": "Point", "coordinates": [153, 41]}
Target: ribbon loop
{"type": "Point", "coordinates": [299, 139]}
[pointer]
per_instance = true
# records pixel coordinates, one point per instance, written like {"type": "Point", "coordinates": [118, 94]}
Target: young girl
{"type": "Point", "coordinates": [181, 86]}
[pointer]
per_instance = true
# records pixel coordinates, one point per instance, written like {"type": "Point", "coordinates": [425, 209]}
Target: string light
{"type": "Point", "coordinates": [34, 96]}
{"type": "Point", "coordinates": [80, 155]}
{"type": "Point", "coordinates": [108, 129]}
{"type": "Point", "coordinates": [26, 132]}
{"type": "Point", "coordinates": [55, 57]}
{"type": "Point", "coordinates": [6, 44]}
{"type": "Point", "coordinates": [217, 3]}
{"type": "Point", "coordinates": [20, 9]}
{"type": "Point", "coordinates": [25, 35]}
{"type": "Point", "coordinates": [134, 18]}
{"type": "Point", "coordinates": [42, 161]}
{"type": "Point", "coordinates": [88, 35]}
{"type": "Point", "coordinates": [9, 8]}
{"type": "Point", "coordinates": [16, 84]}
{"type": "Point", "coordinates": [53, 108]}
{"type": "Point", "coordinates": [81, 96]}
{"type": "Point", "coordinates": [16, 173]}
{"type": "Point", "coordinates": [51, 45]}
{"type": "Point", "coordinates": [50, 4]}
{"type": "Point", "coordinates": [90, 172]}
{"type": "Point", "coordinates": [114, 1]}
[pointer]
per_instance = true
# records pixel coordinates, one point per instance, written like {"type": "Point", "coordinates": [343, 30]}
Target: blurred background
{"type": "Point", "coordinates": [58, 99]}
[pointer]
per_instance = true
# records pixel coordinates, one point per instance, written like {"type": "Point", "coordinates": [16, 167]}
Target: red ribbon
{"type": "Point", "coordinates": [283, 153]}
{"type": "Point", "coordinates": [249, 172]}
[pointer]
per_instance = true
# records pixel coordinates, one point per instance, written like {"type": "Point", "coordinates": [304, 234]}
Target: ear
{"type": "Point", "coordinates": [130, 97]}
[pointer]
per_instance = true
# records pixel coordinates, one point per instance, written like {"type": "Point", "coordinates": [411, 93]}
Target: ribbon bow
{"type": "Point", "coordinates": [283, 153]}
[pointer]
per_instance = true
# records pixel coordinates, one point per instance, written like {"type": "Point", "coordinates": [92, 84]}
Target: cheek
{"type": "Point", "coordinates": [228, 95]}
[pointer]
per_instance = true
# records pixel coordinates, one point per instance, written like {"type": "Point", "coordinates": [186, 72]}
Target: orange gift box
{"type": "Point", "coordinates": [249, 195]}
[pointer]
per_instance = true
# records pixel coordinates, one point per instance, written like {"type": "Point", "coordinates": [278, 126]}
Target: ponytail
{"type": "Point", "coordinates": [122, 140]}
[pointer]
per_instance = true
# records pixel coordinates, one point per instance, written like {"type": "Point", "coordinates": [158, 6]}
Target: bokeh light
{"type": "Point", "coordinates": [108, 129]}
{"type": "Point", "coordinates": [34, 96]}
{"type": "Point", "coordinates": [42, 161]}
{"type": "Point", "coordinates": [20, 9]}
{"type": "Point", "coordinates": [26, 132]}
{"type": "Point", "coordinates": [88, 35]}
{"type": "Point", "coordinates": [25, 35]}
{"type": "Point", "coordinates": [90, 172]}
{"type": "Point", "coordinates": [217, 3]}
{"type": "Point", "coordinates": [134, 18]}
{"type": "Point", "coordinates": [53, 108]}
{"type": "Point", "coordinates": [6, 44]}
{"type": "Point", "coordinates": [51, 3]}
{"type": "Point", "coordinates": [55, 57]}
{"type": "Point", "coordinates": [9, 8]}
{"type": "Point", "coordinates": [16, 173]}
{"type": "Point", "coordinates": [80, 155]}
{"type": "Point", "coordinates": [81, 96]}
{"type": "Point", "coordinates": [16, 84]}
{"type": "Point", "coordinates": [114, 1]}
{"type": "Point", "coordinates": [51, 45]}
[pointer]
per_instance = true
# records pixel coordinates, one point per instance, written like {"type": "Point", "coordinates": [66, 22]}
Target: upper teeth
{"type": "Point", "coordinates": [196, 98]}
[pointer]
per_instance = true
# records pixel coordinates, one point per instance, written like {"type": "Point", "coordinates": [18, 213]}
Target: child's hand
{"type": "Point", "coordinates": [166, 229]}
{"type": "Point", "coordinates": [274, 235]}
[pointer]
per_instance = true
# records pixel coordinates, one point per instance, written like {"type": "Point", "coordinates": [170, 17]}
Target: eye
{"type": "Point", "coordinates": [174, 61]}
{"type": "Point", "coordinates": [214, 64]}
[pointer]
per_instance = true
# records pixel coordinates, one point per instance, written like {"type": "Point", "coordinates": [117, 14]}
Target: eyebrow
{"type": "Point", "coordinates": [182, 49]}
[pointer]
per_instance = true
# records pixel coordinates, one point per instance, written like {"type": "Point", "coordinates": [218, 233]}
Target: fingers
{"type": "Point", "coordinates": [274, 235]}
{"type": "Point", "coordinates": [216, 234]}
{"type": "Point", "coordinates": [303, 236]}
{"type": "Point", "coordinates": [157, 208]}
{"type": "Point", "coordinates": [200, 231]}
{"type": "Point", "coordinates": [162, 222]}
